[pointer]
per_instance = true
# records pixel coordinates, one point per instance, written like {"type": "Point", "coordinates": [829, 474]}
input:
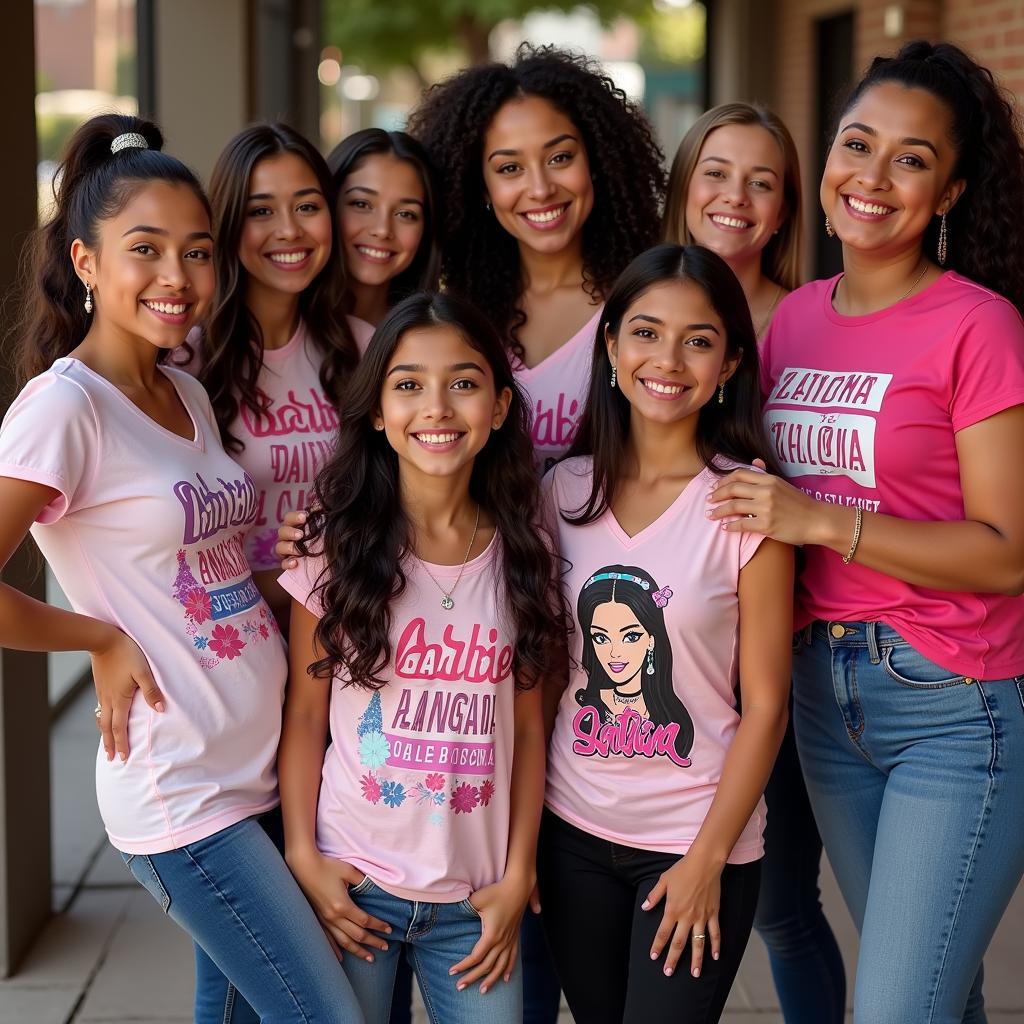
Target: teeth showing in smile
{"type": "Point", "coordinates": [377, 254]}
{"type": "Point", "coordinates": [437, 438]}
{"type": "Point", "coordinates": [873, 208]}
{"type": "Point", "coordinates": [664, 389]}
{"type": "Point", "coordinates": [729, 222]}
{"type": "Point", "coordinates": [173, 308]}
{"type": "Point", "coordinates": [289, 257]}
{"type": "Point", "coordinates": [546, 216]}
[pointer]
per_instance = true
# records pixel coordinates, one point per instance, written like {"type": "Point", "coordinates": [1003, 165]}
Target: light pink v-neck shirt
{"type": "Point", "coordinates": [556, 391]}
{"type": "Point", "coordinates": [146, 533]}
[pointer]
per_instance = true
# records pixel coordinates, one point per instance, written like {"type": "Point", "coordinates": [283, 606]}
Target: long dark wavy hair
{"type": "Point", "coordinates": [91, 185]}
{"type": "Point", "coordinates": [481, 260]}
{"type": "Point", "coordinates": [422, 274]}
{"type": "Point", "coordinates": [232, 342]}
{"type": "Point", "coordinates": [359, 524]}
{"type": "Point", "coordinates": [985, 239]}
{"type": "Point", "coordinates": [731, 429]}
{"type": "Point", "coordinates": [663, 704]}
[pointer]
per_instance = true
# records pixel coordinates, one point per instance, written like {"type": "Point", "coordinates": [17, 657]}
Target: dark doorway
{"type": "Point", "coordinates": [833, 79]}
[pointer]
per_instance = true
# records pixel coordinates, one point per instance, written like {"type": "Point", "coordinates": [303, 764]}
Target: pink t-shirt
{"type": "Point", "coordinates": [556, 392]}
{"type": "Point", "coordinates": [286, 447]}
{"type": "Point", "coordinates": [146, 533]}
{"type": "Point", "coordinates": [647, 719]}
{"type": "Point", "coordinates": [864, 411]}
{"type": "Point", "coordinates": [415, 789]}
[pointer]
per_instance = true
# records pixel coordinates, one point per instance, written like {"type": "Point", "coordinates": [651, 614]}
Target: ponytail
{"type": "Point", "coordinates": [92, 184]}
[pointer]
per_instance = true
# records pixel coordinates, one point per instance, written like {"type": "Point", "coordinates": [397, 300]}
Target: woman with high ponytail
{"type": "Point", "coordinates": [896, 409]}
{"type": "Point", "coordinates": [113, 460]}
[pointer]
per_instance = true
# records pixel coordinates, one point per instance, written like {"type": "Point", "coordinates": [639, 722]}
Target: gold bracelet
{"type": "Point", "coordinates": [857, 523]}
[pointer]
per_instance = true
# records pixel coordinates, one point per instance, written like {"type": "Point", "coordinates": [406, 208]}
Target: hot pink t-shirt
{"type": "Point", "coordinates": [415, 789]}
{"type": "Point", "coordinates": [286, 447]}
{"type": "Point", "coordinates": [647, 719]}
{"type": "Point", "coordinates": [556, 392]}
{"type": "Point", "coordinates": [864, 411]}
{"type": "Point", "coordinates": [146, 533]}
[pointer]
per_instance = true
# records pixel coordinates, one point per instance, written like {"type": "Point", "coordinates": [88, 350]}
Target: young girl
{"type": "Point", "coordinates": [387, 222]}
{"type": "Point", "coordinates": [552, 185]}
{"type": "Point", "coordinates": [896, 408]}
{"type": "Point", "coordinates": [649, 849]}
{"type": "Point", "coordinates": [418, 633]}
{"type": "Point", "coordinates": [114, 460]}
{"type": "Point", "coordinates": [735, 188]}
{"type": "Point", "coordinates": [273, 353]}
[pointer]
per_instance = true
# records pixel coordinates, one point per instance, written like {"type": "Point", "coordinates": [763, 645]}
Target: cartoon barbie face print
{"type": "Point", "coordinates": [629, 706]}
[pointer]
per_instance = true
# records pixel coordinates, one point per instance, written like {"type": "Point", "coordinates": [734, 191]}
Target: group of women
{"type": "Point", "coordinates": [565, 697]}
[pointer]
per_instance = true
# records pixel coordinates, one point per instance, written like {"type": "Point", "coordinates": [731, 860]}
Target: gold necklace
{"type": "Point", "coordinates": [447, 603]}
{"type": "Point", "coordinates": [917, 281]}
{"type": "Point", "coordinates": [767, 317]}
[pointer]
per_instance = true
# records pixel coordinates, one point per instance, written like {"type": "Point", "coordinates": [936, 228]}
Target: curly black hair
{"type": "Point", "coordinates": [985, 240]}
{"type": "Point", "coordinates": [481, 260]}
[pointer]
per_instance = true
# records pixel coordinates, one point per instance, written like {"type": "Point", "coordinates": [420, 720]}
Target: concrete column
{"type": "Point", "coordinates": [740, 42]}
{"type": "Point", "coordinates": [24, 705]}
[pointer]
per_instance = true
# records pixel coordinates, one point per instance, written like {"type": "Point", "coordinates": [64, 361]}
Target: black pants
{"type": "Point", "coordinates": [591, 891]}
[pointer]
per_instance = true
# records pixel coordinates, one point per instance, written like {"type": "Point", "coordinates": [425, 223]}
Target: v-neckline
{"type": "Point", "coordinates": [656, 524]}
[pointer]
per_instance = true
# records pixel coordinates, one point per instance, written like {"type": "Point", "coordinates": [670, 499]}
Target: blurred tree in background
{"type": "Point", "coordinates": [386, 34]}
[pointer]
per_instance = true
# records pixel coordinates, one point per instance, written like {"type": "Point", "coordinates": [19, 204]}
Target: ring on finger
{"type": "Point", "coordinates": [98, 710]}
{"type": "Point", "coordinates": [699, 935]}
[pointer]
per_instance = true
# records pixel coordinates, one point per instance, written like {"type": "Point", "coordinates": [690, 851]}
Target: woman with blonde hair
{"type": "Point", "coordinates": [735, 188]}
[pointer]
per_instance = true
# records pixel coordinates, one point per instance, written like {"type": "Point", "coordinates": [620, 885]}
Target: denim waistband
{"type": "Point", "coordinates": [871, 635]}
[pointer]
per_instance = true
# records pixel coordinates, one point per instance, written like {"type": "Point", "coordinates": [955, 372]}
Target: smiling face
{"type": "Point", "coordinates": [734, 200]}
{"type": "Point", "coordinates": [620, 643]}
{"type": "Point", "coordinates": [286, 239]}
{"type": "Point", "coordinates": [670, 352]}
{"type": "Point", "coordinates": [381, 218]}
{"type": "Point", "coordinates": [537, 174]}
{"type": "Point", "coordinates": [152, 271]}
{"type": "Point", "coordinates": [438, 402]}
{"type": "Point", "coordinates": [888, 171]}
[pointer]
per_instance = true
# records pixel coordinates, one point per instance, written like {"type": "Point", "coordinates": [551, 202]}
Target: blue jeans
{"type": "Point", "coordinates": [233, 893]}
{"type": "Point", "coordinates": [916, 777]}
{"type": "Point", "coordinates": [435, 936]}
{"type": "Point", "coordinates": [807, 966]}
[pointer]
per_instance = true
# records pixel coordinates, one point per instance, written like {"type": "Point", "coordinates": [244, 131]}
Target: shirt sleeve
{"type": "Point", "coordinates": [764, 358]}
{"type": "Point", "coordinates": [987, 373]}
{"type": "Point", "coordinates": [51, 436]}
{"type": "Point", "coordinates": [301, 583]}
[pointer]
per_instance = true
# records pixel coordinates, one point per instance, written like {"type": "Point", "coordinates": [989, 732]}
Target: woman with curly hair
{"type": "Point", "coordinates": [552, 183]}
{"type": "Point", "coordinates": [896, 408]}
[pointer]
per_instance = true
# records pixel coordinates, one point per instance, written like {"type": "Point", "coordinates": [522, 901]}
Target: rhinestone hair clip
{"type": "Point", "coordinates": [129, 140]}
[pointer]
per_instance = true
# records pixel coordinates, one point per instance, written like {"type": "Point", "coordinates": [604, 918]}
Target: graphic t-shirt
{"type": "Point", "coordinates": [556, 392]}
{"type": "Point", "coordinates": [415, 788]}
{"type": "Point", "coordinates": [647, 719]}
{"type": "Point", "coordinates": [286, 446]}
{"type": "Point", "coordinates": [146, 533]}
{"type": "Point", "coordinates": [864, 411]}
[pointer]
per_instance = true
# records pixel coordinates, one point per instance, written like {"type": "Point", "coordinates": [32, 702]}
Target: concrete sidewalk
{"type": "Point", "coordinates": [109, 956]}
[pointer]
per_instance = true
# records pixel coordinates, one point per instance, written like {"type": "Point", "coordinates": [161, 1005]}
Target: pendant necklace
{"type": "Point", "coordinates": [447, 603]}
{"type": "Point", "coordinates": [626, 698]}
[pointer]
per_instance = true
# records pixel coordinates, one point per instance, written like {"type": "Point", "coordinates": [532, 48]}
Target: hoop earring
{"type": "Point", "coordinates": [650, 661]}
{"type": "Point", "coordinates": [829, 230]}
{"type": "Point", "coordinates": [721, 394]}
{"type": "Point", "coordinates": [615, 373]}
{"type": "Point", "coordinates": [88, 299]}
{"type": "Point", "coordinates": [943, 239]}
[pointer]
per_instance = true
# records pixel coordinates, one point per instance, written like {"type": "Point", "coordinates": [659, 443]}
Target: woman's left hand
{"type": "Point", "coordinates": [692, 892]}
{"type": "Point", "coordinates": [745, 501]}
{"type": "Point", "coordinates": [500, 907]}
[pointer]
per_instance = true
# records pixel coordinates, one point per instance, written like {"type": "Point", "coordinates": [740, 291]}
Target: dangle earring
{"type": "Point", "coordinates": [829, 230]}
{"type": "Point", "coordinates": [721, 394]}
{"type": "Point", "coordinates": [942, 252]}
{"type": "Point", "coordinates": [615, 371]}
{"type": "Point", "coordinates": [487, 205]}
{"type": "Point", "coordinates": [88, 299]}
{"type": "Point", "coordinates": [650, 661]}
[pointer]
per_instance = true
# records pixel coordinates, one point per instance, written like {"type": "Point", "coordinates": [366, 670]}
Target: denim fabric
{"type": "Point", "coordinates": [807, 966]}
{"type": "Point", "coordinates": [234, 895]}
{"type": "Point", "coordinates": [435, 937]}
{"type": "Point", "coordinates": [915, 776]}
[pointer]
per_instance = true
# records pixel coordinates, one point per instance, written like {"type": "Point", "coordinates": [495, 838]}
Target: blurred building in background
{"type": "Point", "coordinates": [205, 68]}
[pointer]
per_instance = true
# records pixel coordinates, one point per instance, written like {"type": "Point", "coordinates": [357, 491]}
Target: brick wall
{"type": "Point", "coordinates": [992, 31]}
